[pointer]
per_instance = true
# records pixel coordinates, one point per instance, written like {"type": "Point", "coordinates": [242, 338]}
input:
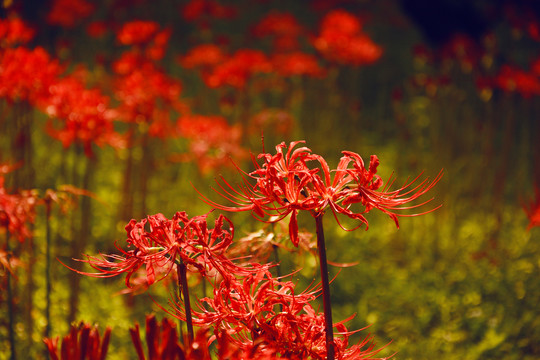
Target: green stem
{"type": "Point", "coordinates": [329, 331]}
{"type": "Point", "coordinates": [48, 269]}
{"type": "Point", "coordinates": [11, 312]}
{"type": "Point", "coordinates": [182, 282]}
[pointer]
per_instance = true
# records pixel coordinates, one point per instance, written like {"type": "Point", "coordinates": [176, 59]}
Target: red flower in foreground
{"type": "Point", "coordinates": [285, 184]}
{"type": "Point", "coordinates": [165, 244]}
{"type": "Point", "coordinates": [82, 342]}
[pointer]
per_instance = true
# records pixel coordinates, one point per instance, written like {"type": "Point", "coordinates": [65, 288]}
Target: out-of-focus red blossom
{"type": "Point", "coordinates": [341, 40]}
{"type": "Point", "coordinates": [533, 211]}
{"type": "Point", "coordinates": [297, 64]}
{"type": "Point", "coordinates": [283, 28]}
{"type": "Point", "coordinates": [236, 70]}
{"type": "Point", "coordinates": [511, 79]}
{"type": "Point", "coordinates": [84, 115]}
{"type": "Point", "coordinates": [17, 210]}
{"type": "Point", "coordinates": [137, 32]}
{"type": "Point", "coordinates": [14, 31]}
{"type": "Point", "coordinates": [97, 29]}
{"type": "Point", "coordinates": [285, 184]}
{"type": "Point", "coordinates": [206, 10]}
{"type": "Point", "coordinates": [212, 141]}
{"type": "Point", "coordinates": [146, 94]}
{"type": "Point", "coordinates": [26, 75]}
{"type": "Point", "coordinates": [146, 36]}
{"type": "Point", "coordinates": [82, 342]}
{"type": "Point", "coordinates": [167, 242]}
{"type": "Point", "coordinates": [68, 13]}
{"type": "Point", "coordinates": [274, 121]}
{"type": "Point", "coordinates": [203, 56]}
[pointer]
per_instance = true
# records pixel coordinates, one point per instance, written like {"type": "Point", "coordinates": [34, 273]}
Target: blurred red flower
{"type": "Point", "coordinates": [203, 56]}
{"type": "Point", "coordinates": [137, 32]}
{"type": "Point", "coordinates": [68, 13]}
{"type": "Point", "coordinates": [14, 31]}
{"type": "Point", "coordinates": [340, 40]}
{"type": "Point", "coordinates": [297, 64]}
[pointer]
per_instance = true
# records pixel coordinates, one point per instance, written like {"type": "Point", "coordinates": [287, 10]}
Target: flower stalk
{"type": "Point", "coordinates": [327, 306]}
{"type": "Point", "coordinates": [182, 282]}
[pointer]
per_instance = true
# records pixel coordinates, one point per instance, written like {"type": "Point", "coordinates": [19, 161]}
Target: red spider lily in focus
{"type": "Point", "coordinates": [68, 13]}
{"type": "Point", "coordinates": [259, 313]}
{"type": "Point", "coordinates": [533, 211]}
{"type": "Point", "coordinates": [82, 342]}
{"type": "Point", "coordinates": [286, 184]}
{"type": "Point", "coordinates": [166, 243]}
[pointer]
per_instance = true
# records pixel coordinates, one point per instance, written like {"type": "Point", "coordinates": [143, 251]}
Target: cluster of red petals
{"type": "Point", "coordinates": [237, 69]}
{"type": "Point", "coordinates": [340, 40]}
{"type": "Point", "coordinates": [297, 64]}
{"type": "Point", "coordinates": [204, 56]}
{"type": "Point", "coordinates": [207, 10]}
{"type": "Point", "coordinates": [264, 316]}
{"type": "Point", "coordinates": [78, 114]}
{"type": "Point", "coordinates": [168, 242]}
{"type": "Point", "coordinates": [26, 75]}
{"type": "Point", "coordinates": [146, 94]}
{"type": "Point", "coordinates": [282, 28]}
{"type": "Point", "coordinates": [162, 341]}
{"type": "Point", "coordinates": [285, 183]}
{"type": "Point", "coordinates": [533, 211]}
{"type": "Point", "coordinates": [511, 78]}
{"type": "Point", "coordinates": [146, 36]}
{"type": "Point", "coordinates": [17, 210]}
{"type": "Point", "coordinates": [83, 342]}
{"type": "Point", "coordinates": [14, 31]}
{"type": "Point", "coordinates": [68, 13]}
{"type": "Point", "coordinates": [212, 141]}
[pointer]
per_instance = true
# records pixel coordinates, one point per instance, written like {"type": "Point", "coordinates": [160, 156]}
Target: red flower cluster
{"type": "Point", "coordinates": [340, 40]}
{"type": "Point", "coordinates": [204, 11]}
{"type": "Point", "coordinates": [68, 13]}
{"type": "Point", "coordinates": [212, 141]}
{"type": "Point", "coordinates": [511, 79]}
{"type": "Point", "coordinates": [82, 342]}
{"type": "Point", "coordinates": [286, 184]}
{"type": "Point", "coordinates": [16, 210]}
{"type": "Point", "coordinates": [297, 64]}
{"type": "Point", "coordinates": [146, 36]}
{"type": "Point", "coordinates": [169, 242]}
{"type": "Point", "coordinates": [84, 114]}
{"type": "Point", "coordinates": [13, 32]}
{"type": "Point", "coordinates": [282, 28]}
{"type": "Point", "coordinates": [26, 75]}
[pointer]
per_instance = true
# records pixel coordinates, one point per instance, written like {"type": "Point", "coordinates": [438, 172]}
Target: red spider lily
{"type": "Point", "coordinates": [82, 342]}
{"type": "Point", "coordinates": [260, 314]}
{"type": "Point", "coordinates": [237, 69]}
{"type": "Point", "coordinates": [341, 40]}
{"type": "Point", "coordinates": [17, 211]}
{"type": "Point", "coordinates": [137, 32]}
{"type": "Point", "coordinates": [161, 341]}
{"type": "Point", "coordinates": [297, 63]}
{"type": "Point", "coordinates": [286, 184]}
{"type": "Point", "coordinates": [514, 79]}
{"type": "Point", "coordinates": [202, 56]}
{"type": "Point", "coordinates": [533, 211]}
{"type": "Point", "coordinates": [68, 13]}
{"type": "Point", "coordinates": [212, 141]}
{"type": "Point", "coordinates": [283, 28]}
{"type": "Point", "coordinates": [14, 31]}
{"type": "Point", "coordinates": [167, 243]}
{"type": "Point", "coordinates": [26, 75]}
{"type": "Point", "coordinates": [84, 114]}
